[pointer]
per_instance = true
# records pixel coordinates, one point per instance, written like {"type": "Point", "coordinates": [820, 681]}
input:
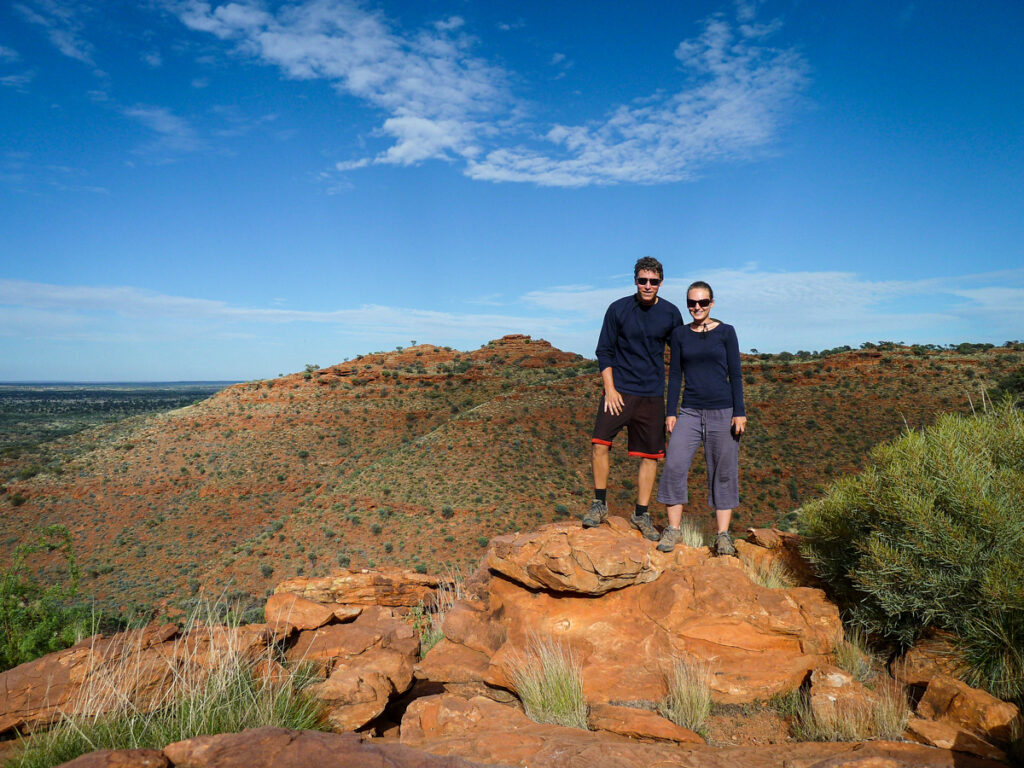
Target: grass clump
{"type": "Point", "coordinates": [885, 717]}
{"type": "Point", "coordinates": [853, 656]}
{"type": "Point", "coordinates": [930, 535]}
{"type": "Point", "coordinates": [211, 688]}
{"type": "Point", "coordinates": [691, 535]}
{"type": "Point", "coordinates": [688, 702]}
{"type": "Point", "coordinates": [548, 677]}
{"type": "Point", "coordinates": [770, 573]}
{"type": "Point", "coordinates": [429, 622]}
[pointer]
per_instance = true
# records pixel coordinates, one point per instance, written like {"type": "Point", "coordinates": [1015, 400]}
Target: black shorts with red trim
{"type": "Point", "coordinates": [644, 419]}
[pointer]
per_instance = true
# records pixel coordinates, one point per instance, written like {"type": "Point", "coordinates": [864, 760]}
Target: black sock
{"type": "Point", "coordinates": [601, 494]}
{"type": "Point", "coordinates": [641, 510]}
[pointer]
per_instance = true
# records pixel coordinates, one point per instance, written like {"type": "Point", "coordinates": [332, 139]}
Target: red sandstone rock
{"type": "Point", "coordinates": [567, 558]}
{"type": "Point", "coordinates": [123, 758]}
{"type": "Point", "coordinates": [834, 694]}
{"type": "Point", "coordinates": [937, 733]}
{"type": "Point", "coordinates": [287, 608]}
{"type": "Point", "coordinates": [365, 663]}
{"type": "Point", "coordinates": [760, 641]}
{"type": "Point", "coordinates": [785, 547]}
{"type": "Point", "coordinates": [981, 713]}
{"type": "Point", "coordinates": [932, 655]}
{"type": "Point", "coordinates": [282, 748]}
{"type": "Point", "coordinates": [385, 586]}
{"type": "Point", "coordinates": [493, 733]}
{"type": "Point", "coordinates": [639, 724]}
{"type": "Point", "coordinates": [449, 662]}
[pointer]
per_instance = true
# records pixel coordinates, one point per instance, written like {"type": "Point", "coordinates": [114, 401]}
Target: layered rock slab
{"type": "Point", "coordinates": [496, 734]}
{"type": "Point", "coordinates": [392, 587]}
{"type": "Point", "coordinates": [759, 641]}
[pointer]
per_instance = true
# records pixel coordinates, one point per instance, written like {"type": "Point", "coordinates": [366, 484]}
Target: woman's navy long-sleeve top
{"type": "Point", "coordinates": [710, 363]}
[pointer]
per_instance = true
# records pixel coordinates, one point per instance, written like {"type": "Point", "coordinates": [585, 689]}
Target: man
{"type": "Point", "coordinates": [631, 354]}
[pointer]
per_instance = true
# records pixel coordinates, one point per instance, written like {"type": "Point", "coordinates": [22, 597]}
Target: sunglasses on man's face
{"type": "Point", "coordinates": [702, 303]}
{"type": "Point", "coordinates": [655, 281]}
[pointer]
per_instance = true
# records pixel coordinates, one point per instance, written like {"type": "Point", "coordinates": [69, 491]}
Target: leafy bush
{"type": "Point", "coordinates": [930, 535]}
{"type": "Point", "coordinates": [36, 620]}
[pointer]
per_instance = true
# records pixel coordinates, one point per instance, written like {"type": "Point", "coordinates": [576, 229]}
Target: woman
{"type": "Point", "coordinates": [707, 354]}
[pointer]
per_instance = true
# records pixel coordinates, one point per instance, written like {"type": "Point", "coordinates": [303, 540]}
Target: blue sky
{"type": "Point", "coordinates": [194, 190]}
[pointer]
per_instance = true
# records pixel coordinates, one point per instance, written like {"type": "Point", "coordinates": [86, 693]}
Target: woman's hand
{"type": "Point", "coordinates": [670, 424]}
{"type": "Point", "coordinates": [739, 425]}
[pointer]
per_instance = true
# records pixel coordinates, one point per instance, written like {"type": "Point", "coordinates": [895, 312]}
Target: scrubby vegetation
{"type": "Point", "coordinates": [223, 692]}
{"type": "Point", "coordinates": [688, 702]}
{"type": "Point", "coordinates": [931, 534]}
{"type": "Point", "coordinates": [35, 620]}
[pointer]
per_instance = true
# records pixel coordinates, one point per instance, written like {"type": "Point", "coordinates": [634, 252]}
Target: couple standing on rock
{"type": "Point", "coordinates": [704, 352]}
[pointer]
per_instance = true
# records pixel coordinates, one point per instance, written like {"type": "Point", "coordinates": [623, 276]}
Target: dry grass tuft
{"type": "Point", "coordinates": [688, 703]}
{"type": "Point", "coordinates": [548, 676]}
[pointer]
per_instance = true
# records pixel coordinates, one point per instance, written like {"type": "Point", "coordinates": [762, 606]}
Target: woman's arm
{"type": "Point", "coordinates": [732, 357]}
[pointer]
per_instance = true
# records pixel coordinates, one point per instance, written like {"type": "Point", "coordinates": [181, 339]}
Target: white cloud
{"type": "Point", "coordinates": [434, 91]}
{"type": "Point", "coordinates": [174, 133]}
{"type": "Point", "coordinates": [733, 108]}
{"type": "Point", "coordinates": [18, 82]}
{"type": "Point", "coordinates": [153, 58]}
{"type": "Point", "coordinates": [442, 102]}
{"type": "Point", "coordinates": [8, 54]}
{"type": "Point", "coordinates": [62, 25]}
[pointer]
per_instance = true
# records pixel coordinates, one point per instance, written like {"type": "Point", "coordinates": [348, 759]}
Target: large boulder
{"type": "Point", "coordinates": [365, 663]}
{"type": "Point", "coordinates": [759, 641]}
{"type": "Point", "coordinates": [564, 557]}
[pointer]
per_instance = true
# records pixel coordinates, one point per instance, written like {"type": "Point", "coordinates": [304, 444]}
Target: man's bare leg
{"type": "Point", "coordinates": [599, 460]}
{"type": "Point", "coordinates": [645, 481]}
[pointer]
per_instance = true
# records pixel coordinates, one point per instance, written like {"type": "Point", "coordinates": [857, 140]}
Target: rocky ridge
{"type": "Point", "coordinates": [624, 609]}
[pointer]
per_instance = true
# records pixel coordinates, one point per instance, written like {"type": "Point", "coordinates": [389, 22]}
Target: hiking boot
{"type": "Point", "coordinates": [643, 524]}
{"type": "Point", "coordinates": [723, 545]}
{"type": "Point", "coordinates": [669, 538]}
{"type": "Point", "coordinates": [596, 515]}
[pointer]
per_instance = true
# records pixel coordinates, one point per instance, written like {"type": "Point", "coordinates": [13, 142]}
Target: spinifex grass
{"type": "Point", "coordinates": [691, 534]}
{"type": "Point", "coordinates": [548, 677]}
{"type": "Point", "coordinates": [883, 717]}
{"type": "Point", "coordinates": [769, 573]}
{"type": "Point", "coordinates": [853, 656]}
{"type": "Point", "coordinates": [210, 687]}
{"type": "Point", "coordinates": [688, 702]}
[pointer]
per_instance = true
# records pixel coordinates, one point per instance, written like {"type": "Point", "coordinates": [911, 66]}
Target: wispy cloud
{"type": "Point", "coordinates": [173, 134]}
{"type": "Point", "coordinates": [435, 92]}
{"type": "Point", "coordinates": [770, 310]}
{"type": "Point", "coordinates": [443, 102]}
{"type": "Point", "coordinates": [739, 94]}
{"type": "Point", "coordinates": [62, 24]}
{"type": "Point", "coordinates": [153, 58]}
{"type": "Point", "coordinates": [8, 54]}
{"type": "Point", "coordinates": [18, 82]}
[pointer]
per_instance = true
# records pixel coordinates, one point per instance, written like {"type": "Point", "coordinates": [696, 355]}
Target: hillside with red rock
{"type": "Point", "coordinates": [419, 456]}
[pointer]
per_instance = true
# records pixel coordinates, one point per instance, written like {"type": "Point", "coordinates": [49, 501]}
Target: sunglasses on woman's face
{"type": "Point", "coordinates": [655, 281]}
{"type": "Point", "coordinates": [702, 303]}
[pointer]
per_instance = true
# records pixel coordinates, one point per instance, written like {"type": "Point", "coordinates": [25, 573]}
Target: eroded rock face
{"type": "Point", "coordinates": [393, 587]}
{"type": "Point", "coordinates": [493, 733]}
{"type": "Point", "coordinates": [935, 654]}
{"type": "Point", "coordinates": [760, 642]}
{"type": "Point", "coordinates": [567, 558]}
{"type": "Point", "coordinates": [287, 609]}
{"type": "Point", "coordinates": [639, 724]}
{"type": "Point", "coordinates": [365, 663]}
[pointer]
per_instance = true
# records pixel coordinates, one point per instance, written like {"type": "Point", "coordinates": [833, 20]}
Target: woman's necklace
{"type": "Point", "coordinates": [704, 329]}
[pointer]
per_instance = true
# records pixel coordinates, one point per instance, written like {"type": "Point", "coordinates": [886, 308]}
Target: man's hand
{"type": "Point", "coordinates": [739, 425]}
{"type": "Point", "coordinates": [670, 424]}
{"type": "Point", "coordinates": [613, 402]}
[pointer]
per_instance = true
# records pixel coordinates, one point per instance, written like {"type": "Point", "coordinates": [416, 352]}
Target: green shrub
{"type": "Point", "coordinates": [930, 534]}
{"type": "Point", "coordinates": [548, 677]}
{"type": "Point", "coordinates": [36, 620]}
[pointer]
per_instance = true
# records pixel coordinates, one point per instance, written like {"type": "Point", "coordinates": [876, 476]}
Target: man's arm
{"type": "Point", "coordinates": [612, 398]}
{"type": "Point", "coordinates": [606, 359]}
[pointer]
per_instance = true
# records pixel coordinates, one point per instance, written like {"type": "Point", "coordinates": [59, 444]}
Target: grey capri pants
{"type": "Point", "coordinates": [713, 428]}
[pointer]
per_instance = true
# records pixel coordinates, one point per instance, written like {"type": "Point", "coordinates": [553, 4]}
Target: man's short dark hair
{"type": "Point", "coordinates": [650, 264]}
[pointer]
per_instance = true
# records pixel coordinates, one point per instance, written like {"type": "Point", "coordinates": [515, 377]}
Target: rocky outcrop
{"type": "Point", "coordinates": [364, 663]}
{"type": "Point", "coordinates": [759, 641]}
{"type": "Point", "coordinates": [934, 654]}
{"type": "Point", "coordinates": [392, 587]}
{"type": "Point", "coordinates": [639, 724]}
